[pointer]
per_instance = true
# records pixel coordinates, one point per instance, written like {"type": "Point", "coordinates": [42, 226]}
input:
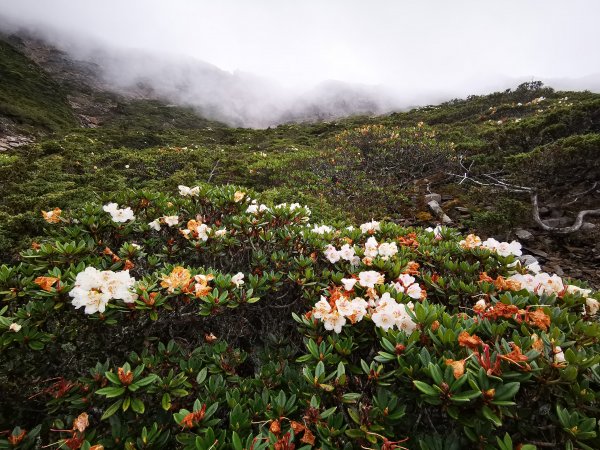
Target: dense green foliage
{"type": "Point", "coordinates": [191, 357]}
{"type": "Point", "coordinates": [199, 360]}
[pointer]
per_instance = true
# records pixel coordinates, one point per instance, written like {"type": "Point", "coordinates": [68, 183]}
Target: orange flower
{"type": "Point", "coordinates": [308, 438]}
{"type": "Point", "coordinates": [180, 277]}
{"type": "Point", "coordinates": [52, 216]}
{"type": "Point", "coordinates": [537, 344]}
{"type": "Point", "coordinates": [15, 439]}
{"type": "Point", "coordinates": [209, 338]}
{"type": "Point", "coordinates": [516, 357]}
{"type": "Point", "coordinates": [81, 422]}
{"type": "Point", "coordinates": [191, 419]}
{"type": "Point", "coordinates": [125, 377]}
{"type": "Point", "coordinates": [458, 367]}
{"type": "Point", "coordinates": [410, 240]}
{"type": "Point", "coordinates": [502, 310]}
{"type": "Point", "coordinates": [538, 318]}
{"type": "Point", "coordinates": [128, 265]}
{"type": "Point", "coordinates": [466, 340]}
{"type": "Point", "coordinates": [296, 426]}
{"type": "Point", "coordinates": [97, 447]}
{"type": "Point", "coordinates": [275, 427]}
{"type": "Point", "coordinates": [45, 283]}
{"type": "Point", "coordinates": [412, 268]}
{"type": "Point", "coordinates": [201, 287]}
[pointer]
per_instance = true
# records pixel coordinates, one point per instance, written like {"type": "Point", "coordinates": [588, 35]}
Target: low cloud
{"type": "Point", "coordinates": [266, 62]}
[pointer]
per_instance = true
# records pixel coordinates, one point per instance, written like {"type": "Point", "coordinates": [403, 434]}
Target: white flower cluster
{"type": "Point", "coordinates": [388, 314]}
{"type": "Point", "coordinates": [346, 252]}
{"type": "Point", "coordinates": [541, 283]}
{"type": "Point", "coordinates": [370, 227]}
{"type": "Point", "coordinates": [385, 250]}
{"type": "Point", "coordinates": [94, 288]}
{"type": "Point", "coordinates": [255, 208]}
{"type": "Point", "coordinates": [185, 191]}
{"type": "Point", "coordinates": [502, 248]}
{"type": "Point", "coordinates": [407, 284]}
{"type": "Point", "coordinates": [437, 231]}
{"type": "Point", "coordinates": [167, 220]}
{"type": "Point", "coordinates": [119, 215]}
{"type": "Point", "coordinates": [321, 229]}
{"type": "Point", "coordinates": [334, 318]}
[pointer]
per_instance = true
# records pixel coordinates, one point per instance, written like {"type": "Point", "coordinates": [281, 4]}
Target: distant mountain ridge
{"type": "Point", "coordinates": [237, 99]}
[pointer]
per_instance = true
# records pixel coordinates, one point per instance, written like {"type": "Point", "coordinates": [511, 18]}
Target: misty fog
{"type": "Point", "coordinates": [266, 62]}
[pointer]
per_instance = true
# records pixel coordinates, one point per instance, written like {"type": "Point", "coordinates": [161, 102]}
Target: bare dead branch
{"type": "Point", "coordinates": [564, 230]}
{"type": "Point", "coordinates": [493, 181]}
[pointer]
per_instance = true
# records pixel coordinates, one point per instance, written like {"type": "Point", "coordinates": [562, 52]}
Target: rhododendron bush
{"type": "Point", "coordinates": [208, 319]}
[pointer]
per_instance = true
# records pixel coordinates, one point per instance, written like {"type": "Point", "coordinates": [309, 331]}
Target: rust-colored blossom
{"type": "Point", "coordinates": [128, 265]}
{"type": "Point", "coordinates": [52, 216]}
{"type": "Point", "coordinates": [126, 378]}
{"type": "Point", "coordinates": [517, 357]}
{"type": "Point", "coordinates": [412, 268]}
{"type": "Point", "coordinates": [538, 318]}
{"type": "Point", "coordinates": [501, 310]}
{"type": "Point", "coordinates": [284, 443]}
{"type": "Point", "coordinates": [45, 283]}
{"type": "Point", "coordinates": [410, 240]}
{"type": "Point", "coordinates": [191, 419]}
{"type": "Point", "coordinates": [81, 422]}
{"type": "Point", "coordinates": [308, 438]}
{"type": "Point", "coordinates": [536, 343]}
{"type": "Point", "coordinates": [458, 367]}
{"type": "Point", "coordinates": [466, 340]}
{"type": "Point", "coordinates": [275, 427]}
{"type": "Point", "coordinates": [15, 439]}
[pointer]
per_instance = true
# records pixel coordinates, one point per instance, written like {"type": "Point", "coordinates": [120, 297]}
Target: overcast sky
{"type": "Point", "coordinates": [438, 44]}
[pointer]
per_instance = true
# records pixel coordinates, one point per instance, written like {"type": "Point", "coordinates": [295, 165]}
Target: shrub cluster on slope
{"type": "Point", "coordinates": [211, 320]}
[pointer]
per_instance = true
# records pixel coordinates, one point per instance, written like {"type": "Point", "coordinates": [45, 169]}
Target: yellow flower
{"type": "Point", "coordinates": [238, 196]}
{"type": "Point", "coordinates": [178, 278]}
{"type": "Point", "coordinates": [52, 216]}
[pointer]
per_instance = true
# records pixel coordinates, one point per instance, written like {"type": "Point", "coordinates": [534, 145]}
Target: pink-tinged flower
{"type": "Point", "coordinates": [370, 278]}
{"type": "Point", "coordinates": [334, 321]}
{"type": "Point", "coordinates": [321, 309]}
{"type": "Point", "coordinates": [347, 252]}
{"type": "Point", "coordinates": [384, 318]}
{"type": "Point", "coordinates": [370, 227]}
{"type": "Point", "coordinates": [331, 254]}
{"type": "Point", "coordinates": [238, 279]}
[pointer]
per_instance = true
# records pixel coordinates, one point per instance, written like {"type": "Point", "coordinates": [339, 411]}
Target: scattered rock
{"type": "Point", "coordinates": [524, 235]}
{"type": "Point", "coordinates": [544, 210]}
{"type": "Point", "coordinates": [555, 213]}
{"type": "Point", "coordinates": [439, 212]}
{"type": "Point", "coordinates": [537, 252]}
{"type": "Point", "coordinates": [527, 260]}
{"type": "Point", "coordinates": [559, 222]}
{"type": "Point", "coordinates": [588, 226]}
{"type": "Point", "coordinates": [462, 210]}
{"type": "Point", "coordinates": [433, 198]}
{"type": "Point", "coordinates": [447, 198]}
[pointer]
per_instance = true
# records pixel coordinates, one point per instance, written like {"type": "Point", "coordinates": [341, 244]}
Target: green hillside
{"type": "Point", "coordinates": [137, 313]}
{"type": "Point", "coordinates": [29, 97]}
